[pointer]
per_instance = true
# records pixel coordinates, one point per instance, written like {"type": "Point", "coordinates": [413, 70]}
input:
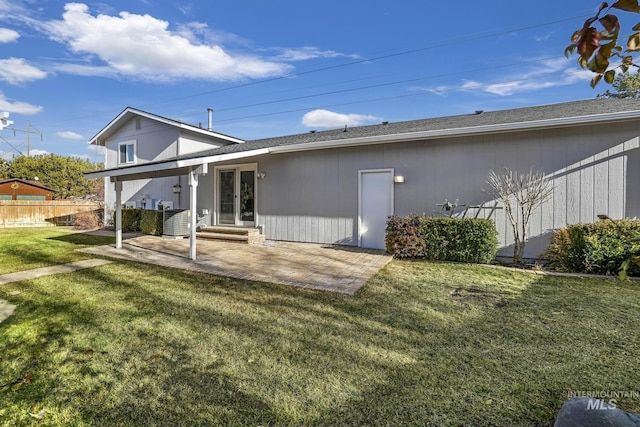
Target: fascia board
{"type": "Point", "coordinates": [449, 133]}
{"type": "Point", "coordinates": [151, 169]}
{"type": "Point", "coordinates": [96, 140]}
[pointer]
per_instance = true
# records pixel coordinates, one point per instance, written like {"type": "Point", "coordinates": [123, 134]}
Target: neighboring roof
{"type": "Point", "coordinates": [129, 112]}
{"type": "Point", "coordinates": [27, 182]}
{"type": "Point", "coordinates": [575, 113]}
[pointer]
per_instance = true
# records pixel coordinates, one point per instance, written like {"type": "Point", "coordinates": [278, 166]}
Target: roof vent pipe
{"type": "Point", "coordinates": [210, 122]}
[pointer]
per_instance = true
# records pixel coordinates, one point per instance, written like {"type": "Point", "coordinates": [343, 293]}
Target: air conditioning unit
{"type": "Point", "coordinates": [165, 204]}
{"type": "Point", "coordinates": [175, 223]}
{"type": "Point", "coordinates": [130, 205]}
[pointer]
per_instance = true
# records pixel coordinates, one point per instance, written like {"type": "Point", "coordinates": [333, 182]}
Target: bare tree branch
{"type": "Point", "coordinates": [520, 194]}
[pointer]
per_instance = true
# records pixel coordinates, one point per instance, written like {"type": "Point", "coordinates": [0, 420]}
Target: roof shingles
{"type": "Point", "coordinates": [567, 110]}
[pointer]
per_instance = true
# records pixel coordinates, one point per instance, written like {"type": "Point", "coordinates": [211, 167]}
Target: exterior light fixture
{"type": "Point", "coordinates": [261, 175]}
{"type": "Point", "coordinates": [398, 179]}
{"type": "Point", "coordinates": [177, 188]}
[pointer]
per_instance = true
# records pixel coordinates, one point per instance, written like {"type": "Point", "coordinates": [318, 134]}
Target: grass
{"type": "Point", "coordinates": [27, 248]}
{"type": "Point", "coordinates": [420, 344]}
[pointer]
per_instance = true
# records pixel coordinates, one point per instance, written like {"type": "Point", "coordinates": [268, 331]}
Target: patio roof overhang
{"type": "Point", "coordinates": [169, 167]}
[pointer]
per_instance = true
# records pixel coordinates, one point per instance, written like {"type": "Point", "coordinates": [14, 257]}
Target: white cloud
{"type": "Point", "coordinates": [8, 36]}
{"type": "Point", "coordinates": [18, 107]}
{"type": "Point", "coordinates": [85, 70]}
{"type": "Point", "coordinates": [325, 119]}
{"type": "Point", "coordinates": [69, 135]}
{"type": "Point", "coordinates": [546, 74]}
{"type": "Point", "coordinates": [307, 53]}
{"type": "Point", "coordinates": [543, 37]}
{"type": "Point", "coordinates": [17, 70]}
{"type": "Point", "coordinates": [96, 149]}
{"type": "Point", "coordinates": [37, 152]}
{"type": "Point", "coordinates": [81, 156]}
{"type": "Point", "coordinates": [142, 46]}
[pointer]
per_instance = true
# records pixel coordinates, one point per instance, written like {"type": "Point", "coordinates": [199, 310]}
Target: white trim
{"type": "Point", "coordinates": [378, 139]}
{"type": "Point", "coordinates": [99, 139]}
{"type": "Point", "coordinates": [135, 154]}
{"type": "Point", "coordinates": [173, 164]}
{"type": "Point", "coordinates": [239, 167]}
{"type": "Point", "coordinates": [392, 205]}
{"type": "Point", "coordinates": [467, 131]}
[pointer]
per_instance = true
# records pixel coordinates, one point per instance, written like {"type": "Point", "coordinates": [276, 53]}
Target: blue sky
{"type": "Point", "coordinates": [276, 67]}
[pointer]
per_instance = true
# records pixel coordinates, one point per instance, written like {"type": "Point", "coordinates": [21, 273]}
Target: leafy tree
{"type": "Point", "coordinates": [626, 85]}
{"type": "Point", "coordinates": [597, 47]}
{"type": "Point", "coordinates": [4, 169]}
{"type": "Point", "coordinates": [520, 194]}
{"type": "Point", "coordinates": [63, 174]}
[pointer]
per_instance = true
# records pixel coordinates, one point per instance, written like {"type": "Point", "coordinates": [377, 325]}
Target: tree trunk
{"type": "Point", "coordinates": [518, 251]}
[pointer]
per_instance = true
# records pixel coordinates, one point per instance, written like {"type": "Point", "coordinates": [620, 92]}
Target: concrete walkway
{"type": "Point", "coordinates": [313, 266]}
{"type": "Point", "coordinates": [54, 269]}
{"type": "Point", "coordinates": [7, 309]}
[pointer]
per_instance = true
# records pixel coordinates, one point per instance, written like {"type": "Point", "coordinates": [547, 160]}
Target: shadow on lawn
{"type": "Point", "coordinates": [184, 348]}
{"type": "Point", "coordinates": [84, 239]}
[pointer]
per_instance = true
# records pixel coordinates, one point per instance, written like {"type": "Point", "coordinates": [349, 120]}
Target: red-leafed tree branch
{"type": "Point", "coordinates": [597, 42]}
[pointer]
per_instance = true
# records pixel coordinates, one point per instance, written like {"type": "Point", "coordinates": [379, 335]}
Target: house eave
{"type": "Point", "coordinates": [168, 168]}
{"type": "Point", "coordinates": [456, 132]}
{"type": "Point", "coordinates": [100, 138]}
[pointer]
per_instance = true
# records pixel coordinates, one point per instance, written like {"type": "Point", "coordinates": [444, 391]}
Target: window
{"type": "Point", "coordinates": [126, 153]}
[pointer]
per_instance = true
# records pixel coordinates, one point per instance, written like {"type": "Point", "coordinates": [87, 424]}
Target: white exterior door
{"type": "Point", "coordinates": [236, 196]}
{"type": "Point", "coordinates": [375, 205]}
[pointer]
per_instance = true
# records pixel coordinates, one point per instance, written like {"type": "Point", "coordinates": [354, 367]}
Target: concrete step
{"type": "Point", "coordinates": [231, 234]}
{"type": "Point", "coordinates": [245, 231]}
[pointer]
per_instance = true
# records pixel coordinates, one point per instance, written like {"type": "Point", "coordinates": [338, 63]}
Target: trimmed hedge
{"type": "Point", "coordinates": [142, 220]}
{"type": "Point", "coordinates": [443, 239]}
{"type": "Point", "coordinates": [131, 220]}
{"type": "Point", "coordinates": [596, 248]}
{"type": "Point", "coordinates": [151, 222]}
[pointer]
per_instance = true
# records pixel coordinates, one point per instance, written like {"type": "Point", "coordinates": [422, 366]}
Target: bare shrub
{"type": "Point", "coordinates": [520, 195]}
{"type": "Point", "coordinates": [89, 220]}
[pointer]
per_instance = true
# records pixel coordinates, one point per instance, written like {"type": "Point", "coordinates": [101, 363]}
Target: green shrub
{"type": "Point", "coordinates": [131, 220]}
{"type": "Point", "coordinates": [596, 248]}
{"type": "Point", "coordinates": [151, 222]}
{"type": "Point", "coordinates": [445, 239]}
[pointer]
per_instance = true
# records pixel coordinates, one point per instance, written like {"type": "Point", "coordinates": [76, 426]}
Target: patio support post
{"type": "Point", "coordinates": [118, 221]}
{"type": "Point", "coordinates": [193, 196]}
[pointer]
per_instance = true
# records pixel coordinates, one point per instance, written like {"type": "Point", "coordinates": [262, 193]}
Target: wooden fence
{"type": "Point", "coordinates": [24, 213]}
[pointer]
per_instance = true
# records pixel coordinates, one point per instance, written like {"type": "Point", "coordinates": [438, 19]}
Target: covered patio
{"type": "Point", "coordinates": [334, 268]}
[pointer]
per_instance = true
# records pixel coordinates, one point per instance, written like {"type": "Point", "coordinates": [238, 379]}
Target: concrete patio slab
{"type": "Point", "coordinates": [313, 266]}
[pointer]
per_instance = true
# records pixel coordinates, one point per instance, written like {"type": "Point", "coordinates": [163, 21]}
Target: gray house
{"type": "Point", "coordinates": [339, 186]}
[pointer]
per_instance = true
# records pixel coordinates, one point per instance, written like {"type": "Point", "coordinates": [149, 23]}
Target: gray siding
{"type": "Point", "coordinates": [193, 143]}
{"type": "Point", "coordinates": [312, 196]}
{"type": "Point", "coordinates": [154, 141]}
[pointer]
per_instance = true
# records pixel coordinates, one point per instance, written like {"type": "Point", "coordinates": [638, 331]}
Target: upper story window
{"type": "Point", "coordinates": [127, 153]}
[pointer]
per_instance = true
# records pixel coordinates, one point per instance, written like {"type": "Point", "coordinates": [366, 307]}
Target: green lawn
{"type": "Point", "coordinates": [27, 248]}
{"type": "Point", "coordinates": [421, 344]}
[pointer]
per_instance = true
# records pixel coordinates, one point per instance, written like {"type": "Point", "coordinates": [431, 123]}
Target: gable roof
{"type": "Point", "coordinates": [546, 116]}
{"type": "Point", "coordinates": [27, 182]}
{"type": "Point", "coordinates": [576, 113]}
{"type": "Point", "coordinates": [129, 113]}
